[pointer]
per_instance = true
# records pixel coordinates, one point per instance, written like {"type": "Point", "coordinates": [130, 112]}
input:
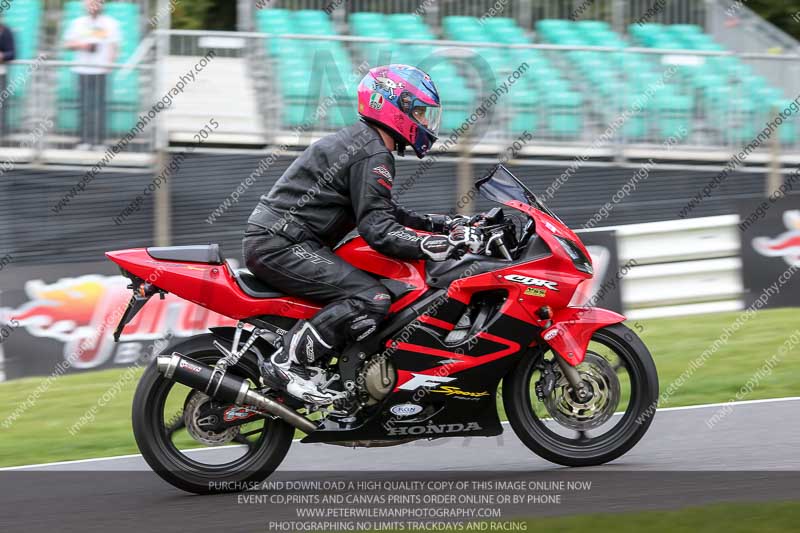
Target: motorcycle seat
{"type": "Point", "coordinates": [207, 253]}
{"type": "Point", "coordinates": [252, 286]}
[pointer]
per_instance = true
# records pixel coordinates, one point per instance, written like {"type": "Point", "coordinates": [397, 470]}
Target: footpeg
{"type": "Point", "coordinates": [298, 383]}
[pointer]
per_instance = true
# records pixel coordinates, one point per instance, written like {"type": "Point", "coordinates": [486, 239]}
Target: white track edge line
{"type": "Point", "coordinates": [130, 456]}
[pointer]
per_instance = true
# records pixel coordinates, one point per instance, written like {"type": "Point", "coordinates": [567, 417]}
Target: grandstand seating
{"type": "Point", "coordinates": [542, 100]}
{"type": "Point", "coordinates": [558, 94]}
{"type": "Point", "coordinates": [24, 17]}
{"type": "Point", "coordinates": [122, 88]}
{"type": "Point", "coordinates": [295, 63]}
{"type": "Point", "coordinates": [728, 87]}
{"type": "Point", "coordinates": [725, 94]}
{"type": "Point", "coordinates": [295, 59]}
{"type": "Point", "coordinates": [621, 80]}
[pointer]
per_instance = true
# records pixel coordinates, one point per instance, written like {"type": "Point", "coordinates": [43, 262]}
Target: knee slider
{"type": "Point", "coordinates": [375, 301]}
{"type": "Point", "coordinates": [374, 305]}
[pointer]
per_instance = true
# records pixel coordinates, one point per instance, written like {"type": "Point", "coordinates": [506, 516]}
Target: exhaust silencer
{"type": "Point", "coordinates": [226, 388]}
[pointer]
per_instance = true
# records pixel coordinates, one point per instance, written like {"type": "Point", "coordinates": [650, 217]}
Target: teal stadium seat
{"type": "Point", "coordinates": [524, 110]}
{"type": "Point", "coordinates": [619, 80]}
{"type": "Point", "coordinates": [735, 98]}
{"type": "Point", "coordinates": [520, 107]}
{"type": "Point", "coordinates": [674, 115]}
{"type": "Point", "coordinates": [565, 119]}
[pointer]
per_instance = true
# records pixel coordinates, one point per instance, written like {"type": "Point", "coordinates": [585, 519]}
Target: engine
{"type": "Point", "coordinates": [376, 380]}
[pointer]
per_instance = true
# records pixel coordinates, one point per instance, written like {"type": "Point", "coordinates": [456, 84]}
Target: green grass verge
{"type": "Point", "coordinates": [773, 517]}
{"type": "Point", "coordinates": [41, 433]}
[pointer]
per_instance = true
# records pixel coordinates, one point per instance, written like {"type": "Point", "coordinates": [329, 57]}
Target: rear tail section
{"type": "Point", "coordinates": [200, 275]}
{"type": "Point", "coordinates": [143, 284]}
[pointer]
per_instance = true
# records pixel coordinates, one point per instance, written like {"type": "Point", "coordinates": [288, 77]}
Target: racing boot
{"type": "Point", "coordinates": [286, 368]}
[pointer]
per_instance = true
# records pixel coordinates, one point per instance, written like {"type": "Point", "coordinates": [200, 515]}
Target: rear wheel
{"type": "Point", "coordinates": [561, 428]}
{"type": "Point", "coordinates": [170, 421]}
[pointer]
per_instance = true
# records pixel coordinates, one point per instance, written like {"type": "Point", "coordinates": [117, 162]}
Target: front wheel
{"type": "Point", "coordinates": [170, 421]}
{"type": "Point", "coordinates": [561, 428]}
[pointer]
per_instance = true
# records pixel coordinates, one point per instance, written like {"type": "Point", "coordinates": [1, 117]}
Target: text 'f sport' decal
{"type": "Point", "coordinates": [424, 380]}
{"type": "Point", "coordinates": [536, 282]}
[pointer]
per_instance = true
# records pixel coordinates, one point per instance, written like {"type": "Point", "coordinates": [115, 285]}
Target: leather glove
{"type": "Point", "coordinates": [456, 221]}
{"type": "Point", "coordinates": [437, 247]}
{"type": "Point", "coordinates": [467, 237]}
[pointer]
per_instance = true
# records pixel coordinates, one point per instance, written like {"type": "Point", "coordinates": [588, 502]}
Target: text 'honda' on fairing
{"type": "Point", "coordinates": [579, 387]}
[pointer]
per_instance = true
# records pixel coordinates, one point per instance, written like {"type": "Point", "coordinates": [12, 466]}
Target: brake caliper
{"type": "Point", "coordinates": [546, 384]}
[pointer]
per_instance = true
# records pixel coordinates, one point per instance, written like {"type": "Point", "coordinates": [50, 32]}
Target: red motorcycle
{"type": "Point", "coordinates": [578, 385]}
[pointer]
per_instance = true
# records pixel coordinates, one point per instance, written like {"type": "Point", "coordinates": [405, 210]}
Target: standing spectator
{"type": "Point", "coordinates": [96, 39]}
{"type": "Point", "coordinates": [6, 54]}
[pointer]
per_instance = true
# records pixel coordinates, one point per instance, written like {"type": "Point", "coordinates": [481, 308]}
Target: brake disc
{"type": "Point", "coordinates": [564, 406]}
{"type": "Point", "coordinates": [193, 419]}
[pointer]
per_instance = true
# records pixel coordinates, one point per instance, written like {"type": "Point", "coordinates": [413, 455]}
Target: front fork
{"type": "Point", "coordinates": [548, 381]}
{"type": "Point", "coordinates": [567, 332]}
{"type": "Point", "coordinates": [583, 391]}
{"type": "Point", "coordinates": [581, 388]}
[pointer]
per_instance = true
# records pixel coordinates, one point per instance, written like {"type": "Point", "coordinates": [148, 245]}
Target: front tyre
{"type": "Point", "coordinates": [165, 424]}
{"type": "Point", "coordinates": [619, 369]}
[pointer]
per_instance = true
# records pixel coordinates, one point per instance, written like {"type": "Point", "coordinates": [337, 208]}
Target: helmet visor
{"type": "Point", "coordinates": [428, 116]}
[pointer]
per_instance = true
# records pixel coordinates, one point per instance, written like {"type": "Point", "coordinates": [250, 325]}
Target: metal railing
{"type": "Point", "coordinates": [618, 13]}
{"type": "Point", "coordinates": [643, 98]}
{"type": "Point", "coordinates": [52, 107]}
{"type": "Point", "coordinates": [235, 88]}
{"type": "Point", "coordinates": [626, 108]}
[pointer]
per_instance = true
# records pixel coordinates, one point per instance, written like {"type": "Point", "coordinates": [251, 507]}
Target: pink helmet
{"type": "Point", "coordinates": [404, 102]}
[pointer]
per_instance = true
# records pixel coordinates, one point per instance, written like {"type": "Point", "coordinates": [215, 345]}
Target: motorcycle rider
{"type": "Point", "coordinates": [341, 182]}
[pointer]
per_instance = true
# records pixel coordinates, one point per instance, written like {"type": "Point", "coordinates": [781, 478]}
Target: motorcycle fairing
{"type": "Point", "coordinates": [466, 375]}
{"type": "Point", "coordinates": [573, 328]}
{"type": "Point", "coordinates": [466, 416]}
{"type": "Point", "coordinates": [493, 351]}
{"type": "Point", "coordinates": [358, 253]}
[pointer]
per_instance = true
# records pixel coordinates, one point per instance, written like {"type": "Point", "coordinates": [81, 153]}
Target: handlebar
{"type": "Point", "coordinates": [496, 237]}
{"type": "Point", "coordinates": [493, 227]}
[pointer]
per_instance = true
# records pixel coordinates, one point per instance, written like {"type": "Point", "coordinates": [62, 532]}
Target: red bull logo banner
{"type": "Point", "coordinates": [786, 245]}
{"type": "Point", "coordinates": [72, 319]}
{"type": "Point", "coordinates": [770, 240]}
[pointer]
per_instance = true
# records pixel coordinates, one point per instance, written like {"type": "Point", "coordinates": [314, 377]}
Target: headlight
{"type": "Point", "coordinates": [579, 259]}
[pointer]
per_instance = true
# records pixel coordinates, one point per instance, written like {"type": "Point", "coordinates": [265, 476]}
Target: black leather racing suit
{"type": "Point", "coordinates": [341, 182]}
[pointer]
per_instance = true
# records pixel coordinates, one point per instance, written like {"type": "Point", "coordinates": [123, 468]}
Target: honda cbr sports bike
{"type": "Point", "coordinates": [578, 386]}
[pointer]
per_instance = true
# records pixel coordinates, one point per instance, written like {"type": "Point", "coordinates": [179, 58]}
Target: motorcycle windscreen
{"type": "Point", "coordinates": [501, 186]}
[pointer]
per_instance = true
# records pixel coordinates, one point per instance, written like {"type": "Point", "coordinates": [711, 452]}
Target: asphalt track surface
{"type": "Point", "coordinates": [749, 455]}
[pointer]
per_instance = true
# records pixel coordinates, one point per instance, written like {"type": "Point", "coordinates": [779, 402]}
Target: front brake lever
{"type": "Point", "coordinates": [496, 239]}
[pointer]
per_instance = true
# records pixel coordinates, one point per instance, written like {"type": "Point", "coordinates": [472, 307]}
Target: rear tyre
{"type": "Point", "coordinates": [546, 431]}
{"type": "Point", "coordinates": [261, 456]}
